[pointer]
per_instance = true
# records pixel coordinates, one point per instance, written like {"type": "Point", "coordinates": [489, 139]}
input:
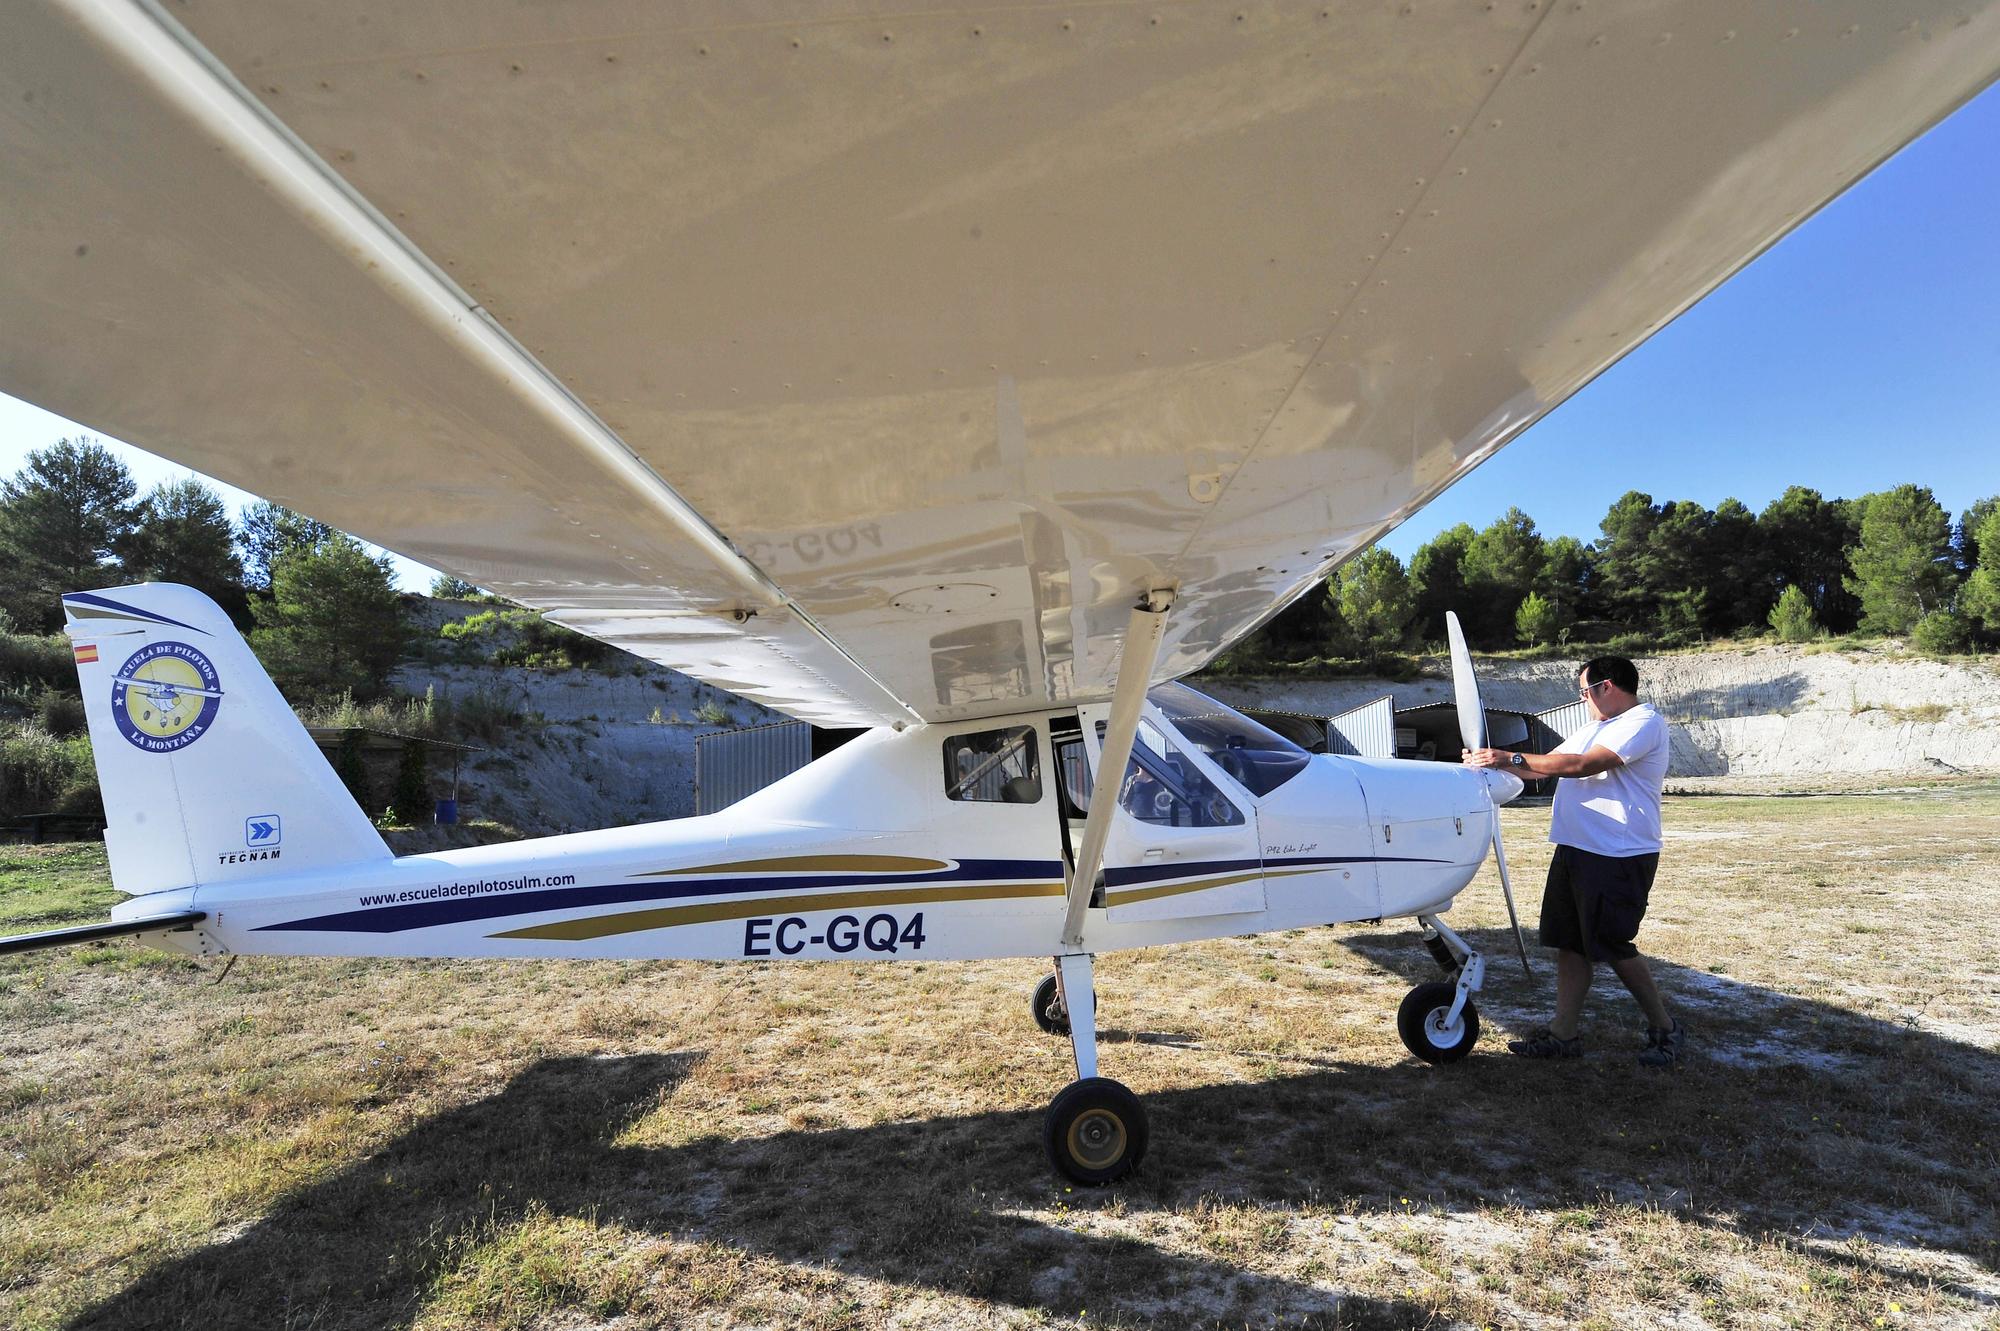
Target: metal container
{"type": "Point", "coordinates": [1367, 731]}
{"type": "Point", "coordinates": [732, 764]}
{"type": "Point", "coordinates": [1550, 728]}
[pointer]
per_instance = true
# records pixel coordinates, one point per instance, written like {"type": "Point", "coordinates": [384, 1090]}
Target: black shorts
{"type": "Point", "coordinates": [1593, 903]}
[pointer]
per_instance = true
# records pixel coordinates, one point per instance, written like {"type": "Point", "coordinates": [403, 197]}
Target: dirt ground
{"type": "Point", "coordinates": [328, 1144]}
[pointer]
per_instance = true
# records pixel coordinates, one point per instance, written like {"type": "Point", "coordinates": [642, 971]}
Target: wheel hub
{"type": "Point", "coordinates": [1097, 1138]}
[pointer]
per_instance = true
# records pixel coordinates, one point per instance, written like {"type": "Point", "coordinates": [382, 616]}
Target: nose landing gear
{"type": "Point", "coordinates": [1437, 1019]}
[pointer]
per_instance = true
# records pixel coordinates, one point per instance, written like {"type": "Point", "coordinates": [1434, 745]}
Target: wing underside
{"type": "Point", "coordinates": [870, 363]}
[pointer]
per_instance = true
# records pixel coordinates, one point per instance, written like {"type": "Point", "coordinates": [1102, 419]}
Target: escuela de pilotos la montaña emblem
{"type": "Point", "coordinates": [165, 697]}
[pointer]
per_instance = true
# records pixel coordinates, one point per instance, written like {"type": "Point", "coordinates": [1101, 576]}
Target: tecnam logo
{"type": "Point", "coordinates": [165, 697]}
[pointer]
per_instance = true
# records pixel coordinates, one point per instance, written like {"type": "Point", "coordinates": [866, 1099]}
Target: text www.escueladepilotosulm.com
{"type": "Point", "coordinates": [482, 887]}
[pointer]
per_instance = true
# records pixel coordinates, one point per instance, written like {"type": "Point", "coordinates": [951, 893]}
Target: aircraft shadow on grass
{"type": "Point", "coordinates": [926, 1203]}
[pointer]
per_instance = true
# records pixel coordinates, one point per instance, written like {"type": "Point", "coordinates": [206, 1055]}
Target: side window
{"type": "Point", "coordinates": [993, 767]}
{"type": "Point", "coordinates": [1164, 788]}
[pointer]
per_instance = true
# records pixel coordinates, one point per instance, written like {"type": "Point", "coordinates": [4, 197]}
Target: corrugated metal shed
{"type": "Point", "coordinates": [1435, 727]}
{"type": "Point", "coordinates": [1550, 728]}
{"type": "Point", "coordinates": [733, 764]}
{"type": "Point", "coordinates": [1307, 731]}
{"type": "Point", "coordinates": [1367, 731]}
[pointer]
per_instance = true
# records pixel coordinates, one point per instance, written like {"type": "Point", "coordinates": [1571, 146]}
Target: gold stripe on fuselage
{"type": "Point", "coordinates": [1154, 893]}
{"type": "Point", "coordinates": [814, 864]}
{"type": "Point", "coordinates": [708, 912]}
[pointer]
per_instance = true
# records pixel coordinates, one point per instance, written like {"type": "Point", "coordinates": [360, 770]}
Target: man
{"type": "Point", "coordinates": [1606, 831]}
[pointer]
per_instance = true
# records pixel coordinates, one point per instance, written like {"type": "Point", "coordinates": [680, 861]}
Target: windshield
{"type": "Point", "coordinates": [1258, 759]}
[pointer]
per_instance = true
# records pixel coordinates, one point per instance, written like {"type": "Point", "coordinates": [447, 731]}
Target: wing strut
{"type": "Point", "coordinates": [1143, 638]}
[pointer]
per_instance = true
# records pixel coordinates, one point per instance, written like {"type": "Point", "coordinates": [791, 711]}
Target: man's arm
{"type": "Point", "coordinates": [1598, 759]}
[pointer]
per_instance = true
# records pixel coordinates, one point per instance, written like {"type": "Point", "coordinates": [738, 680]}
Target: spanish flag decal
{"type": "Point", "coordinates": [86, 653]}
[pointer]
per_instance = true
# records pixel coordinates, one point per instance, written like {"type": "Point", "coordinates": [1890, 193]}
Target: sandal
{"type": "Point", "coordinates": [1545, 1043]}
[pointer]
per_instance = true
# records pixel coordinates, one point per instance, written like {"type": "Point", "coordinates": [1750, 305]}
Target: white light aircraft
{"type": "Point", "coordinates": [967, 373]}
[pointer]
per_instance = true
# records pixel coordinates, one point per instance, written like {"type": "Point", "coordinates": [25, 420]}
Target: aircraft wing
{"type": "Point", "coordinates": [870, 362]}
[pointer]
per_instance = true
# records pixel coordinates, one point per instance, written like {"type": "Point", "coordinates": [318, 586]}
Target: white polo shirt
{"type": "Point", "coordinates": [1616, 812]}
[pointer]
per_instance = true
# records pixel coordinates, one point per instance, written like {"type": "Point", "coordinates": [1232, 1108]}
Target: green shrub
{"type": "Point", "coordinates": [713, 713]}
{"type": "Point", "coordinates": [41, 773]}
{"type": "Point", "coordinates": [1942, 633]}
{"type": "Point", "coordinates": [1793, 617]}
{"type": "Point", "coordinates": [37, 659]}
{"type": "Point", "coordinates": [59, 713]}
{"type": "Point", "coordinates": [523, 638]}
{"type": "Point", "coordinates": [484, 715]}
{"type": "Point", "coordinates": [401, 714]}
{"type": "Point", "coordinates": [1536, 620]}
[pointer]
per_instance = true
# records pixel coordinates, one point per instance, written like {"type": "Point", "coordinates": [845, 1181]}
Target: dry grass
{"type": "Point", "coordinates": [443, 1145]}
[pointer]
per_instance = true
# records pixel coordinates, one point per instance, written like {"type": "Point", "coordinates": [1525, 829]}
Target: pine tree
{"type": "Point", "coordinates": [63, 518]}
{"type": "Point", "coordinates": [1373, 597]}
{"type": "Point", "coordinates": [1805, 539]}
{"type": "Point", "coordinates": [352, 768]}
{"type": "Point", "coordinates": [1438, 580]}
{"type": "Point", "coordinates": [333, 621]}
{"type": "Point", "coordinates": [1501, 565]}
{"type": "Point", "coordinates": [1980, 598]}
{"type": "Point", "coordinates": [1568, 581]}
{"type": "Point", "coordinates": [410, 799]}
{"type": "Point", "coordinates": [182, 533]}
{"type": "Point", "coordinates": [270, 531]}
{"type": "Point", "coordinates": [1902, 566]}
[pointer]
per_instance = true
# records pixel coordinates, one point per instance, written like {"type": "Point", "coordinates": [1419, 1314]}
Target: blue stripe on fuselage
{"type": "Point", "coordinates": [456, 910]}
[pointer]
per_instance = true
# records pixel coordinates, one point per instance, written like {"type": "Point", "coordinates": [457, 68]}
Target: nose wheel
{"type": "Point", "coordinates": [1429, 1028]}
{"type": "Point", "coordinates": [1437, 1020]}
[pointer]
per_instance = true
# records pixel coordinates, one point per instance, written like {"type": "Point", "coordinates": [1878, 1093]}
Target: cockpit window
{"type": "Point", "coordinates": [1163, 786]}
{"type": "Point", "coordinates": [1258, 759]}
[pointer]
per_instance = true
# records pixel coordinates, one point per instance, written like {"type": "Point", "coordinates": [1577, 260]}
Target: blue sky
{"type": "Point", "coordinates": [1861, 352]}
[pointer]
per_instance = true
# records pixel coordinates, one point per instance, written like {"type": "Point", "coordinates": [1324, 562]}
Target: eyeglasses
{"type": "Point", "coordinates": [1589, 689]}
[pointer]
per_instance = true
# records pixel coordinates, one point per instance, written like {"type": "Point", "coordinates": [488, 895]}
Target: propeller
{"type": "Point", "coordinates": [1472, 729]}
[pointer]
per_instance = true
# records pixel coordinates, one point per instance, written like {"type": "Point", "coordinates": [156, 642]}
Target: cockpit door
{"type": "Point", "coordinates": [1183, 839]}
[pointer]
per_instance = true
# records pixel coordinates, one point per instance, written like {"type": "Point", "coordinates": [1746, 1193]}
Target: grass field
{"type": "Point", "coordinates": [328, 1144]}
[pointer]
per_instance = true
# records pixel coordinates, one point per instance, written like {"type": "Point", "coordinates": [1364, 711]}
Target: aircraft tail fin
{"type": "Point", "coordinates": [207, 774]}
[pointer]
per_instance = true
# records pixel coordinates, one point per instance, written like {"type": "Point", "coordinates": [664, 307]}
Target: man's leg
{"type": "Point", "coordinates": [1573, 972]}
{"type": "Point", "coordinates": [1638, 977]}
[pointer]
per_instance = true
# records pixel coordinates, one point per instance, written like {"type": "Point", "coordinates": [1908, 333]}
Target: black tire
{"type": "Point", "coordinates": [1049, 1014]}
{"type": "Point", "coordinates": [1417, 1022]}
{"type": "Point", "coordinates": [1095, 1132]}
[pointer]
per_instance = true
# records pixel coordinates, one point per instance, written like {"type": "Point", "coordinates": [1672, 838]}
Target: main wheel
{"type": "Point", "coordinates": [1050, 1014]}
{"type": "Point", "coordinates": [1420, 1021]}
{"type": "Point", "coordinates": [1095, 1131]}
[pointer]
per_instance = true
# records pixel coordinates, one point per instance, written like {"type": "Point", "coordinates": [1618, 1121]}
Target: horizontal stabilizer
{"type": "Point", "coordinates": [90, 933]}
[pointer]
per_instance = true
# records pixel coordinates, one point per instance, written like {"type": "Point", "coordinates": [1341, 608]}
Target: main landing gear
{"type": "Point", "coordinates": [1437, 1019]}
{"type": "Point", "coordinates": [1095, 1131]}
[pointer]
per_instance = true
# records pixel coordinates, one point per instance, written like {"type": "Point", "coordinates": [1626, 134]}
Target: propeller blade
{"type": "Point", "coordinates": [1472, 729]}
{"type": "Point", "coordinates": [1465, 686]}
{"type": "Point", "coordinates": [1507, 890]}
